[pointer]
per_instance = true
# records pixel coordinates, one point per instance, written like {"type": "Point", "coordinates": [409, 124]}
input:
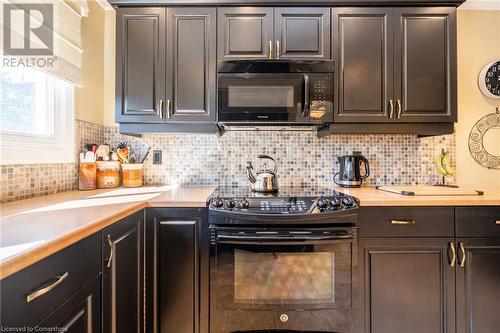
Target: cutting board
{"type": "Point", "coordinates": [428, 190]}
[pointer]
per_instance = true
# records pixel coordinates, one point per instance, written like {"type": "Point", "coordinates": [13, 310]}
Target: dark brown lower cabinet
{"type": "Point", "coordinates": [123, 275]}
{"type": "Point", "coordinates": [409, 285]}
{"type": "Point", "coordinates": [478, 285]}
{"type": "Point", "coordinates": [80, 314]}
{"type": "Point", "coordinates": [177, 270]}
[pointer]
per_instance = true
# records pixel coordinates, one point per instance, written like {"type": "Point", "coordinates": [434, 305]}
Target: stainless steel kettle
{"type": "Point", "coordinates": [265, 180]}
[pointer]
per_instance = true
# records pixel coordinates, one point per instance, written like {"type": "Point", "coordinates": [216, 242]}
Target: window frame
{"type": "Point", "coordinates": [26, 148]}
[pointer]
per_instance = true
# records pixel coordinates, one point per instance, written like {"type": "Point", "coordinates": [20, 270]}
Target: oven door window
{"type": "Point", "coordinates": [284, 276]}
{"type": "Point", "coordinates": [266, 97]}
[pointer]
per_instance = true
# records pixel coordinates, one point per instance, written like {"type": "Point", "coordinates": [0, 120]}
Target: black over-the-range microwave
{"type": "Point", "coordinates": [271, 92]}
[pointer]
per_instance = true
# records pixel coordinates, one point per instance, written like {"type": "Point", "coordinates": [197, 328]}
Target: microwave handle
{"type": "Point", "coordinates": [305, 110]}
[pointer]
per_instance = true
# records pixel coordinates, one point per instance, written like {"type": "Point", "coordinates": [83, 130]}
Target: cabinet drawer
{"type": "Point", "coordinates": [56, 278]}
{"type": "Point", "coordinates": [406, 222]}
{"type": "Point", "coordinates": [478, 221]}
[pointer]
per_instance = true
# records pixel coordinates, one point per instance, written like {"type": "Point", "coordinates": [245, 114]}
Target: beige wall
{"type": "Point", "coordinates": [109, 68]}
{"type": "Point", "coordinates": [478, 44]}
{"type": "Point", "coordinates": [89, 99]}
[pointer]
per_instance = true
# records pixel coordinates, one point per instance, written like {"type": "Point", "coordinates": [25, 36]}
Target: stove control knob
{"type": "Point", "coordinates": [217, 202]}
{"type": "Point", "coordinates": [322, 203]}
{"type": "Point", "coordinates": [335, 203]}
{"type": "Point", "coordinates": [346, 201]}
{"type": "Point", "coordinates": [230, 203]}
{"type": "Point", "coordinates": [244, 204]}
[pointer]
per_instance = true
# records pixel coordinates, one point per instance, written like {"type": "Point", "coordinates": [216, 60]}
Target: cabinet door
{"type": "Point", "coordinates": [478, 291]}
{"type": "Point", "coordinates": [122, 275]}
{"type": "Point", "coordinates": [80, 314]}
{"type": "Point", "coordinates": [177, 255]}
{"type": "Point", "coordinates": [302, 33]}
{"type": "Point", "coordinates": [245, 33]}
{"type": "Point", "coordinates": [191, 58]}
{"type": "Point", "coordinates": [425, 50]}
{"type": "Point", "coordinates": [409, 285]}
{"type": "Point", "coordinates": [362, 51]}
{"type": "Point", "coordinates": [140, 64]}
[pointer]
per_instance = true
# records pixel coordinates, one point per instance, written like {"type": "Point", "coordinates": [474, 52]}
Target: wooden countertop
{"type": "Point", "coordinates": [36, 228]}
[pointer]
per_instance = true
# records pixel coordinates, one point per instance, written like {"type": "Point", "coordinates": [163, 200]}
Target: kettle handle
{"type": "Point", "coordinates": [269, 158]}
{"type": "Point", "coordinates": [334, 176]}
{"type": "Point", "coordinates": [367, 167]}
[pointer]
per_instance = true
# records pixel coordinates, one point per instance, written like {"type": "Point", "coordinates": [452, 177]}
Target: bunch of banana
{"type": "Point", "coordinates": [443, 165]}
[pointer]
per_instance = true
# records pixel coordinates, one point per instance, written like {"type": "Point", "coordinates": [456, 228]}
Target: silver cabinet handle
{"type": "Point", "coordinates": [169, 109]}
{"type": "Point", "coordinates": [161, 109]}
{"type": "Point", "coordinates": [463, 256]}
{"type": "Point", "coordinates": [403, 221]}
{"type": "Point", "coordinates": [497, 222]}
{"type": "Point", "coordinates": [399, 109]}
{"type": "Point", "coordinates": [44, 290]}
{"type": "Point", "coordinates": [391, 108]}
{"type": "Point", "coordinates": [110, 251]}
{"type": "Point", "coordinates": [277, 49]}
{"type": "Point", "coordinates": [453, 254]}
{"type": "Point", "coordinates": [270, 56]}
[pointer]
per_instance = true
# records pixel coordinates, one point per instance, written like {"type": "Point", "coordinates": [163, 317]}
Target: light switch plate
{"type": "Point", "coordinates": [157, 159]}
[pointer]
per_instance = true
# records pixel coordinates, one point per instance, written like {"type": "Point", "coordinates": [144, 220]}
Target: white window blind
{"type": "Point", "coordinates": [66, 34]}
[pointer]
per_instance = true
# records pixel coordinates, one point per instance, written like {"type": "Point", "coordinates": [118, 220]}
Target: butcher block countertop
{"type": "Point", "coordinates": [33, 229]}
{"type": "Point", "coordinates": [36, 228]}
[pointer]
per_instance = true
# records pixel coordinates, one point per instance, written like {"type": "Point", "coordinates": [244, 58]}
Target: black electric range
{"type": "Point", "coordinates": [282, 262]}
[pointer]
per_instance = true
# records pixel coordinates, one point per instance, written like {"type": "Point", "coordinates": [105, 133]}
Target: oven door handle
{"type": "Point", "coordinates": [305, 110]}
{"type": "Point", "coordinates": [264, 240]}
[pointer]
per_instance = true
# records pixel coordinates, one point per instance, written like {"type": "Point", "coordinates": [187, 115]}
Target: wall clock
{"type": "Point", "coordinates": [489, 80]}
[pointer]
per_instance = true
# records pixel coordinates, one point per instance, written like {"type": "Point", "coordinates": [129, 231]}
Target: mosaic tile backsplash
{"type": "Point", "coordinates": [303, 159]}
{"type": "Point", "coordinates": [196, 159]}
{"type": "Point", "coordinates": [22, 181]}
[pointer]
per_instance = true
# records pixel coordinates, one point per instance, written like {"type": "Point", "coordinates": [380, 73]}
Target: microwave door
{"type": "Point", "coordinates": [266, 97]}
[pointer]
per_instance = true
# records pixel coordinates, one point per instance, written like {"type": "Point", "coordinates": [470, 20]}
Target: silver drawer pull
{"type": "Point", "coordinates": [44, 290]}
{"type": "Point", "coordinates": [403, 222]}
{"type": "Point", "coordinates": [497, 222]}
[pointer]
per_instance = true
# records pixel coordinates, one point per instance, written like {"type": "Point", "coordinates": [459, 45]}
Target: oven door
{"type": "Point", "coordinates": [275, 269]}
{"type": "Point", "coordinates": [263, 97]}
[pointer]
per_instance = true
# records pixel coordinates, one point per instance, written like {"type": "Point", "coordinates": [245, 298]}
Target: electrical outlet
{"type": "Point", "coordinates": [157, 157]}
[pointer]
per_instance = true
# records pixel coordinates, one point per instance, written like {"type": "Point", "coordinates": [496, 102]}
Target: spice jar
{"type": "Point", "coordinates": [87, 174]}
{"type": "Point", "coordinates": [132, 174]}
{"type": "Point", "coordinates": [108, 174]}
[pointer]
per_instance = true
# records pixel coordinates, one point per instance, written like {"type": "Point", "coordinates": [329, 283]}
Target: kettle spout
{"type": "Point", "coordinates": [250, 175]}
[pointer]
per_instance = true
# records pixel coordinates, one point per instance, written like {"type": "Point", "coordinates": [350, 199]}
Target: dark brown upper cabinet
{"type": "Point", "coordinates": [245, 33]}
{"type": "Point", "coordinates": [140, 64]}
{"type": "Point", "coordinates": [302, 33]}
{"type": "Point", "coordinates": [395, 64]}
{"type": "Point", "coordinates": [166, 65]}
{"type": "Point", "coordinates": [191, 58]}
{"type": "Point", "coordinates": [425, 64]}
{"type": "Point", "coordinates": [273, 33]}
{"type": "Point", "coordinates": [362, 44]}
{"type": "Point", "coordinates": [123, 275]}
